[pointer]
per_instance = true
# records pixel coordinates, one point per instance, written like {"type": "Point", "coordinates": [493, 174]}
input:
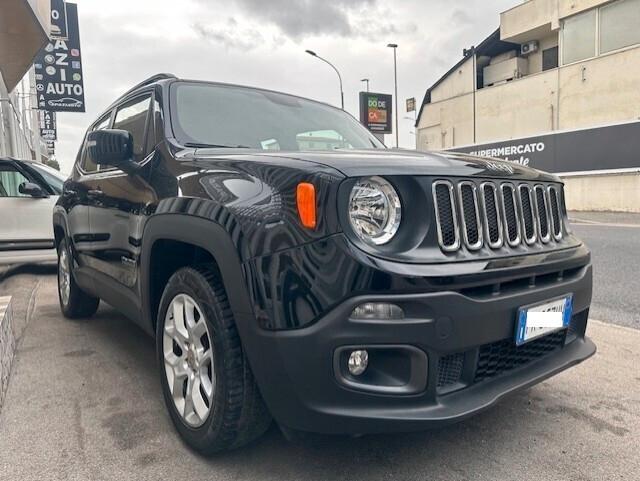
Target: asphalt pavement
{"type": "Point", "coordinates": [84, 402]}
{"type": "Point", "coordinates": [614, 240]}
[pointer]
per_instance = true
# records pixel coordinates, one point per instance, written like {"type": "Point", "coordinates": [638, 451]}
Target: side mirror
{"type": "Point", "coordinates": [112, 147]}
{"type": "Point", "coordinates": [34, 190]}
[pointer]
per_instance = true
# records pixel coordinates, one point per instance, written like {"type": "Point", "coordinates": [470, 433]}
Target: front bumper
{"type": "Point", "coordinates": [469, 329]}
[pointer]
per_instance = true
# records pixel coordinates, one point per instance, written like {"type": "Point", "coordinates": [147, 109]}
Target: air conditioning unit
{"type": "Point", "coordinates": [507, 70]}
{"type": "Point", "coordinates": [529, 47]}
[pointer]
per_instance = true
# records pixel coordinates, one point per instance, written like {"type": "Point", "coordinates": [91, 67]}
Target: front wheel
{"type": "Point", "coordinates": [74, 302]}
{"type": "Point", "coordinates": [207, 384]}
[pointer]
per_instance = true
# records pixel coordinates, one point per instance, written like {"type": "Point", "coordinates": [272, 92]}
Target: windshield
{"type": "Point", "coordinates": [50, 176]}
{"type": "Point", "coordinates": [229, 116]}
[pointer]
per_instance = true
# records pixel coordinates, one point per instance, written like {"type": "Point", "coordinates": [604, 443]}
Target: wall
{"type": "Point", "coordinates": [458, 82]}
{"type": "Point", "coordinates": [609, 93]}
{"type": "Point", "coordinates": [611, 192]}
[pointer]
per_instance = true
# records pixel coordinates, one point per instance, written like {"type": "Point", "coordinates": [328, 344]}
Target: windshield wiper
{"type": "Point", "coordinates": [199, 145]}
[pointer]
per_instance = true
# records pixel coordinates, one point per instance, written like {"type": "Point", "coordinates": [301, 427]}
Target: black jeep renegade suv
{"type": "Point", "coordinates": [289, 265]}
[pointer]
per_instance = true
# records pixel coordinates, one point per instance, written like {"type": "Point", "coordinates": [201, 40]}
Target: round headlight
{"type": "Point", "coordinates": [374, 210]}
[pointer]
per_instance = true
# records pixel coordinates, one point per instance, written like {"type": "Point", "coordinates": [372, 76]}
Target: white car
{"type": "Point", "coordinates": [28, 192]}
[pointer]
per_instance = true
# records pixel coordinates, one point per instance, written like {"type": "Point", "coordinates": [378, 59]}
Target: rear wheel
{"type": "Point", "coordinates": [74, 302]}
{"type": "Point", "coordinates": [207, 384]}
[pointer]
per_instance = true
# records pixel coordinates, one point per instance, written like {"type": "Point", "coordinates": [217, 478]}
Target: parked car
{"type": "Point", "coordinates": [353, 289]}
{"type": "Point", "coordinates": [28, 192]}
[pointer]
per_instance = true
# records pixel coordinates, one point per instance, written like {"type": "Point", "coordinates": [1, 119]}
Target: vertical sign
{"type": "Point", "coordinates": [58, 70]}
{"type": "Point", "coordinates": [48, 125]}
{"type": "Point", "coordinates": [375, 112]}
{"type": "Point", "coordinates": [59, 27]}
{"type": "Point", "coordinates": [411, 104]}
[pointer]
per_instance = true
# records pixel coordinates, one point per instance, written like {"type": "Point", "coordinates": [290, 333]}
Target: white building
{"type": "Point", "coordinates": [557, 73]}
{"type": "Point", "coordinates": [24, 30]}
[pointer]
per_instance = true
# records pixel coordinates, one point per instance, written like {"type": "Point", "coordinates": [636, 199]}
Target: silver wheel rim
{"type": "Point", "coordinates": [64, 276]}
{"type": "Point", "coordinates": [188, 360]}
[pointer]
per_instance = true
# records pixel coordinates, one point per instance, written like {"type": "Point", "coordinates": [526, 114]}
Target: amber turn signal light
{"type": "Point", "coordinates": [306, 200]}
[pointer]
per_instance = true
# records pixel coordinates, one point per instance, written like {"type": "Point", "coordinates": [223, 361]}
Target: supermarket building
{"type": "Point", "coordinates": [557, 87]}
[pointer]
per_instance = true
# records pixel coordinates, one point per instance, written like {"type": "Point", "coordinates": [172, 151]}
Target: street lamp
{"type": "Point", "coordinates": [313, 54]}
{"type": "Point", "coordinates": [394, 46]}
{"type": "Point", "coordinates": [367, 82]}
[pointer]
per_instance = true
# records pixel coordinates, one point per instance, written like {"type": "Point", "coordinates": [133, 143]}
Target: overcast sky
{"type": "Point", "coordinates": [262, 43]}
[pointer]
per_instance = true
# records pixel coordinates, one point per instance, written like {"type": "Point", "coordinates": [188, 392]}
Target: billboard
{"type": "Point", "coordinates": [47, 125]}
{"type": "Point", "coordinates": [58, 70]}
{"type": "Point", "coordinates": [376, 112]}
{"type": "Point", "coordinates": [600, 148]}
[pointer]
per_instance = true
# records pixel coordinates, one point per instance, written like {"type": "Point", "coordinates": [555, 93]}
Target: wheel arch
{"type": "Point", "coordinates": [206, 241]}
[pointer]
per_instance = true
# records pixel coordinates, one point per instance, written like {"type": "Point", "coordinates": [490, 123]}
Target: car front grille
{"type": "Point", "coordinates": [496, 214]}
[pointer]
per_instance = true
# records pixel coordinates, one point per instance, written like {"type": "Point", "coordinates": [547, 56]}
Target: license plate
{"type": "Point", "coordinates": [541, 319]}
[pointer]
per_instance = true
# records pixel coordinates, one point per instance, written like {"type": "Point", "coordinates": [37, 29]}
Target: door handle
{"type": "Point", "coordinates": [95, 193]}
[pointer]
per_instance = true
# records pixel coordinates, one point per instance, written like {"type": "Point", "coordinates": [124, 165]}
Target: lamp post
{"type": "Point", "coordinates": [313, 54]}
{"type": "Point", "coordinates": [366, 80]}
{"type": "Point", "coordinates": [394, 46]}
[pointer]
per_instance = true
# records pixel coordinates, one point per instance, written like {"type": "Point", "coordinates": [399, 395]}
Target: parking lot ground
{"type": "Point", "coordinates": [84, 403]}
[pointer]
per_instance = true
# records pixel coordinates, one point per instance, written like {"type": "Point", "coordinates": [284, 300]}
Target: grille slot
{"type": "Point", "coordinates": [511, 220]}
{"type": "Point", "coordinates": [543, 218]}
{"type": "Point", "coordinates": [528, 219]}
{"type": "Point", "coordinates": [471, 227]}
{"type": "Point", "coordinates": [492, 224]}
{"type": "Point", "coordinates": [554, 207]}
{"type": "Point", "coordinates": [503, 356]}
{"type": "Point", "coordinates": [450, 369]}
{"type": "Point", "coordinates": [446, 219]}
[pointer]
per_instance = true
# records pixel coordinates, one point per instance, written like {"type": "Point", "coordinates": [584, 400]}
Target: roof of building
{"type": "Point", "coordinates": [490, 47]}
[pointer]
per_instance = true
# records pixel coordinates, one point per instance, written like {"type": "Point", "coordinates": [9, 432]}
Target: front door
{"type": "Point", "coordinates": [118, 203]}
{"type": "Point", "coordinates": [25, 221]}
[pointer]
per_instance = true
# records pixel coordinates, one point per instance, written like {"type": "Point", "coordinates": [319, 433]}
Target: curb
{"type": "Point", "coordinates": [7, 344]}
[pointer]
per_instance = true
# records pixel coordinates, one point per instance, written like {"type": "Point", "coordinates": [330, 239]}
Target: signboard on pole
{"type": "Point", "coordinates": [51, 147]}
{"type": "Point", "coordinates": [48, 125]}
{"type": "Point", "coordinates": [411, 104]}
{"type": "Point", "coordinates": [614, 146]}
{"type": "Point", "coordinates": [58, 70]}
{"type": "Point", "coordinates": [59, 27]}
{"type": "Point", "coordinates": [376, 112]}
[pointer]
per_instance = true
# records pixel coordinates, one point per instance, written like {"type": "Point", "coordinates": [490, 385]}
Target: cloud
{"type": "Point", "coordinates": [231, 35]}
{"type": "Point", "coordinates": [307, 18]}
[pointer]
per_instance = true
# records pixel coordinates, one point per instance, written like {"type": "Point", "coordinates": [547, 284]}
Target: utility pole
{"type": "Point", "coordinates": [394, 46]}
{"type": "Point", "coordinates": [35, 122]}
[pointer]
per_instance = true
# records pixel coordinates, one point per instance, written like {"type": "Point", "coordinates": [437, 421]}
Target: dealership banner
{"type": "Point", "coordinates": [47, 125]}
{"type": "Point", "coordinates": [599, 148]}
{"type": "Point", "coordinates": [58, 70]}
{"type": "Point", "coordinates": [375, 112]}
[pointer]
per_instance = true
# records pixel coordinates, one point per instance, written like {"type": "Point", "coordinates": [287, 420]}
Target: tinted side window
{"type": "Point", "coordinates": [132, 117]}
{"type": "Point", "coordinates": [88, 165]}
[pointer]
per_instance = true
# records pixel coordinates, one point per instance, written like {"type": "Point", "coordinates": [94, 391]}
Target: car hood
{"type": "Point", "coordinates": [356, 163]}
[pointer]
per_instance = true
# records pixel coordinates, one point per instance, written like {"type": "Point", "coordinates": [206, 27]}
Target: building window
{"type": "Point", "coordinates": [550, 58]}
{"type": "Point", "coordinates": [619, 23]}
{"type": "Point", "coordinates": [579, 37]}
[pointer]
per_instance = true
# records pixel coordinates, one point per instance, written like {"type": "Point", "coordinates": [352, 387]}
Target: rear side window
{"type": "Point", "coordinates": [132, 117]}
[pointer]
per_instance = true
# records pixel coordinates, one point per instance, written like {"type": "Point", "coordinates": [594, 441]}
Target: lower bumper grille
{"type": "Point", "coordinates": [500, 357]}
{"type": "Point", "coordinates": [503, 356]}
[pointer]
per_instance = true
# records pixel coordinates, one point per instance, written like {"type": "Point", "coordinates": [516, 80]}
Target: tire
{"type": "Point", "coordinates": [74, 302]}
{"type": "Point", "coordinates": [234, 414]}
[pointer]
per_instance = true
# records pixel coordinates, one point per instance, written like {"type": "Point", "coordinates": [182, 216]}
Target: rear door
{"type": "Point", "coordinates": [25, 220]}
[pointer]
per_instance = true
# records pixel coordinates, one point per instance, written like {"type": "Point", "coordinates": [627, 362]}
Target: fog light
{"type": "Point", "coordinates": [377, 310]}
{"type": "Point", "coordinates": [358, 361]}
